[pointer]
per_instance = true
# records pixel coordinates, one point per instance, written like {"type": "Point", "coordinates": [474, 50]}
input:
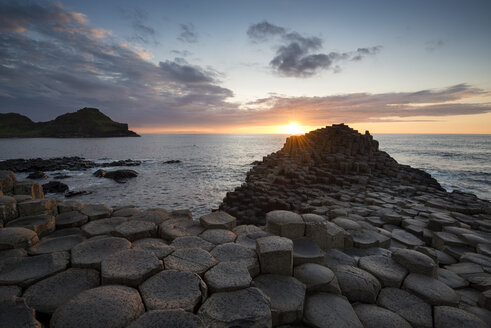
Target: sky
{"type": "Point", "coordinates": [251, 66]}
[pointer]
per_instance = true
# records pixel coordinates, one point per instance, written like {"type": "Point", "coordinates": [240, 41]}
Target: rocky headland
{"type": "Point", "coordinates": [84, 123]}
{"type": "Point", "coordinates": [327, 232]}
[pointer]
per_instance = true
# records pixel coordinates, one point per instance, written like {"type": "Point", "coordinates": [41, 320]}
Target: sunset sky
{"type": "Point", "coordinates": [251, 66]}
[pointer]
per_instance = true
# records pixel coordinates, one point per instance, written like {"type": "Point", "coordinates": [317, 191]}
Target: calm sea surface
{"type": "Point", "coordinates": [214, 164]}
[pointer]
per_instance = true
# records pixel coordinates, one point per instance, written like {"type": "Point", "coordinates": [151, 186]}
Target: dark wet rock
{"type": "Point", "coordinates": [60, 176]}
{"type": "Point", "coordinates": [167, 318]}
{"type": "Point", "coordinates": [90, 253]}
{"type": "Point", "coordinates": [388, 271]}
{"type": "Point", "coordinates": [416, 311]}
{"type": "Point", "coordinates": [126, 162]}
{"type": "Point", "coordinates": [243, 308]}
{"type": "Point", "coordinates": [218, 236]}
{"type": "Point", "coordinates": [74, 193]}
{"type": "Point", "coordinates": [54, 187]}
{"type": "Point", "coordinates": [195, 260]}
{"type": "Point", "coordinates": [25, 271]}
{"type": "Point", "coordinates": [15, 313]}
{"type": "Point", "coordinates": [218, 220]}
{"type": "Point", "coordinates": [155, 245]}
{"type": "Point", "coordinates": [431, 290]}
{"type": "Point", "coordinates": [49, 294]}
{"type": "Point", "coordinates": [357, 284]}
{"type": "Point", "coordinates": [239, 255]}
{"type": "Point", "coordinates": [40, 224]}
{"type": "Point", "coordinates": [275, 255]}
{"type": "Point", "coordinates": [172, 161]}
{"type": "Point", "coordinates": [100, 173]}
{"type": "Point", "coordinates": [415, 261]}
{"type": "Point", "coordinates": [135, 229]}
{"type": "Point", "coordinates": [102, 226]}
{"type": "Point", "coordinates": [52, 164]}
{"type": "Point", "coordinates": [56, 244]}
{"type": "Point", "coordinates": [129, 267]}
{"type": "Point", "coordinates": [16, 237]}
{"type": "Point", "coordinates": [306, 251]}
{"type": "Point", "coordinates": [192, 242]}
{"type": "Point", "coordinates": [286, 295]}
{"type": "Point", "coordinates": [450, 317]}
{"type": "Point", "coordinates": [172, 289]}
{"type": "Point", "coordinates": [70, 219]}
{"type": "Point", "coordinates": [227, 276]}
{"type": "Point", "coordinates": [106, 306]}
{"type": "Point", "coordinates": [120, 176]}
{"type": "Point", "coordinates": [325, 310]}
{"type": "Point", "coordinates": [372, 316]}
{"type": "Point", "coordinates": [317, 278]}
{"type": "Point", "coordinates": [37, 175]}
{"type": "Point", "coordinates": [285, 224]}
{"type": "Point", "coordinates": [96, 211]}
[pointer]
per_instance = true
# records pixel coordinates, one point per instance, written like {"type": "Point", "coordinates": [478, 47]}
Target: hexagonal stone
{"type": "Point", "coordinates": [194, 260]}
{"type": "Point", "coordinates": [286, 295]}
{"type": "Point", "coordinates": [357, 284]}
{"type": "Point", "coordinates": [442, 239]}
{"type": "Point", "coordinates": [227, 276]}
{"type": "Point", "coordinates": [167, 318]}
{"type": "Point", "coordinates": [155, 245]}
{"type": "Point", "coordinates": [40, 224]}
{"type": "Point", "coordinates": [325, 310]}
{"type": "Point", "coordinates": [325, 234]}
{"type": "Point", "coordinates": [17, 238]}
{"type": "Point", "coordinates": [9, 292]}
{"type": "Point", "coordinates": [24, 271]}
{"type": "Point", "coordinates": [69, 206]}
{"type": "Point", "coordinates": [70, 219]}
{"type": "Point", "coordinates": [406, 238]}
{"type": "Point", "coordinates": [126, 212]}
{"type": "Point", "coordinates": [347, 223]}
{"type": "Point", "coordinates": [243, 308]}
{"type": "Point", "coordinates": [135, 229]}
{"type": "Point", "coordinates": [417, 312]}
{"type": "Point", "coordinates": [480, 259]}
{"type": "Point", "coordinates": [173, 228]}
{"type": "Point", "coordinates": [451, 279]}
{"type": "Point", "coordinates": [58, 244]}
{"type": "Point", "coordinates": [275, 255]}
{"type": "Point", "coordinates": [8, 208]}
{"type": "Point", "coordinates": [96, 211]}
{"type": "Point", "coordinates": [102, 226]}
{"type": "Point", "coordinates": [388, 271]}
{"type": "Point", "coordinates": [485, 299]}
{"type": "Point", "coordinates": [48, 294]}
{"type": "Point", "coordinates": [106, 306]}
{"type": "Point", "coordinates": [15, 313]}
{"type": "Point", "coordinates": [415, 261]}
{"type": "Point", "coordinates": [480, 280]}
{"type": "Point", "coordinates": [439, 220]}
{"type": "Point", "coordinates": [172, 289]}
{"type": "Point", "coordinates": [335, 257]}
{"type": "Point", "coordinates": [218, 236]}
{"type": "Point", "coordinates": [64, 232]}
{"type": "Point", "coordinates": [239, 255]}
{"type": "Point", "coordinates": [129, 267]}
{"type": "Point", "coordinates": [32, 189]}
{"type": "Point", "coordinates": [306, 251]}
{"type": "Point", "coordinates": [317, 278]}
{"type": "Point", "coordinates": [372, 316]}
{"type": "Point", "coordinates": [37, 207]}
{"type": "Point", "coordinates": [218, 220]}
{"type": "Point", "coordinates": [431, 290]}
{"type": "Point", "coordinates": [90, 253]}
{"type": "Point", "coordinates": [155, 215]}
{"type": "Point", "coordinates": [245, 229]}
{"type": "Point", "coordinates": [7, 181]}
{"type": "Point", "coordinates": [464, 268]}
{"type": "Point", "coordinates": [192, 242]}
{"type": "Point", "coordinates": [285, 224]}
{"type": "Point", "coordinates": [249, 240]}
{"type": "Point", "coordinates": [451, 317]}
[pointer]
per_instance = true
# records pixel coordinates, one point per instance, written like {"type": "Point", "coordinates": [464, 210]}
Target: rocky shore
{"type": "Point", "coordinates": [327, 232]}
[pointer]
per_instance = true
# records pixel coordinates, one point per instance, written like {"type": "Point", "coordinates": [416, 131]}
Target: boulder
{"type": "Point", "coordinates": [155, 245]}
{"type": "Point", "coordinates": [243, 308]}
{"type": "Point", "coordinates": [325, 310]}
{"type": "Point", "coordinates": [167, 318]}
{"type": "Point", "coordinates": [37, 207]}
{"type": "Point", "coordinates": [24, 271]}
{"type": "Point", "coordinates": [70, 219]}
{"type": "Point", "coordinates": [105, 306]}
{"type": "Point", "coordinates": [129, 267]}
{"type": "Point", "coordinates": [47, 295]}
{"type": "Point", "coordinates": [356, 284]}
{"type": "Point", "coordinates": [275, 255]}
{"type": "Point", "coordinates": [285, 224]}
{"type": "Point", "coordinates": [15, 313]}
{"type": "Point", "coordinates": [218, 220]}
{"type": "Point", "coordinates": [29, 188]}
{"type": "Point", "coordinates": [90, 253]}
{"type": "Point", "coordinates": [37, 175]}
{"type": "Point", "coordinates": [372, 316]}
{"type": "Point", "coordinates": [56, 244]}
{"type": "Point", "coordinates": [120, 176]}
{"type": "Point", "coordinates": [40, 224]}
{"type": "Point", "coordinates": [451, 317]}
{"type": "Point", "coordinates": [171, 290]}
{"type": "Point", "coordinates": [16, 237]}
{"type": "Point", "coordinates": [317, 278]}
{"type": "Point", "coordinates": [227, 276]}
{"type": "Point", "coordinates": [431, 290]}
{"type": "Point", "coordinates": [286, 295]}
{"type": "Point", "coordinates": [385, 269]}
{"type": "Point", "coordinates": [54, 187]}
{"type": "Point", "coordinates": [415, 262]}
{"type": "Point", "coordinates": [195, 260]}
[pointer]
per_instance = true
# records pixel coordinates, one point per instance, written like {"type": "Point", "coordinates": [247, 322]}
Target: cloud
{"type": "Point", "coordinates": [296, 56]}
{"type": "Point", "coordinates": [142, 32]}
{"type": "Point", "coordinates": [188, 34]}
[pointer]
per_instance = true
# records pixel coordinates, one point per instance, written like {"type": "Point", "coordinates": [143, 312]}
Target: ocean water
{"type": "Point", "coordinates": [211, 165]}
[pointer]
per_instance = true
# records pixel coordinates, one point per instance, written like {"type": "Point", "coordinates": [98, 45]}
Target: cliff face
{"type": "Point", "coordinates": [85, 123]}
{"type": "Point", "coordinates": [315, 166]}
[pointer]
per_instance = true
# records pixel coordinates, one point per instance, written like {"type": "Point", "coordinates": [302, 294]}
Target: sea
{"type": "Point", "coordinates": [211, 165]}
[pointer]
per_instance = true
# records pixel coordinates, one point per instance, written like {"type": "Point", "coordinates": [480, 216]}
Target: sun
{"type": "Point", "coordinates": [293, 128]}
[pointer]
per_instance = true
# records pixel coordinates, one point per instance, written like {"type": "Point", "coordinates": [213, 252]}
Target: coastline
{"type": "Point", "coordinates": [377, 233]}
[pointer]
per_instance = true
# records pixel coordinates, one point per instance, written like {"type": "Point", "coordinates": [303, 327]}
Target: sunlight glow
{"type": "Point", "coordinates": [293, 128]}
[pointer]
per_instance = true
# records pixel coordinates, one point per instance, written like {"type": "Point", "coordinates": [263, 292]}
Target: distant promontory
{"type": "Point", "coordinates": [84, 123]}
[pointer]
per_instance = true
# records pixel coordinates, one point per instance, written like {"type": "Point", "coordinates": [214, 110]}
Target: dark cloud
{"type": "Point", "coordinates": [188, 34]}
{"type": "Point", "coordinates": [142, 32]}
{"type": "Point", "coordinates": [296, 56]}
